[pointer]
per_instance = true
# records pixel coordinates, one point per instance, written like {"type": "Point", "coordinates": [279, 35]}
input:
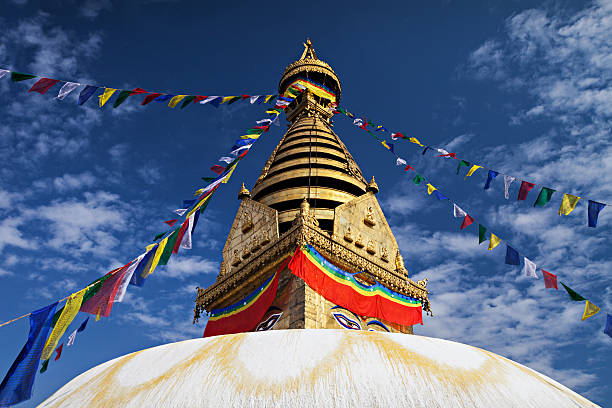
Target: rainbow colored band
{"type": "Point", "coordinates": [348, 279]}
{"type": "Point", "coordinates": [316, 88]}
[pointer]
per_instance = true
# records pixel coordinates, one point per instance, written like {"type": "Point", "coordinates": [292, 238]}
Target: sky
{"type": "Point", "coordinates": [522, 87]}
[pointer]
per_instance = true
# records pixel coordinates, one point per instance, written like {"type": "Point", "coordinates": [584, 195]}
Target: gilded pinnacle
{"type": "Point", "coordinates": [244, 193]}
{"type": "Point", "coordinates": [372, 186]}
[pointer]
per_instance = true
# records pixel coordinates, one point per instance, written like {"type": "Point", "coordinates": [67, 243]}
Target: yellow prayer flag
{"type": "Point", "coordinates": [227, 177]}
{"type": "Point", "coordinates": [226, 98]}
{"type": "Point", "coordinates": [108, 92]}
{"type": "Point", "coordinates": [197, 207]}
{"type": "Point", "coordinates": [155, 261]}
{"type": "Point", "coordinates": [70, 310]}
{"type": "Point", "coordinates": [268, 97]}
{"type": "Point", "coordinates": [198, 192]}
{"type": "Point", "coordinates": [495, 240]}
{"type": "Point", "coordinates": [384, 143]}
{"type": "Point", "coordinates": [175, 100]}
{"type": "Point", "coordinates": [430, 189]}
{"type": "Point", "coordinates": [472, 170]}
{"type": "Point", "coordinates": [568, 204]}
{"type": "Point", "coordinates": [589, 310]}
{"type": "Point", "coordinates": [150, 247]}
{"type": "Point", "coordinates": [415, 140]}
{"type": "Point", "coordinates": [250, 136]}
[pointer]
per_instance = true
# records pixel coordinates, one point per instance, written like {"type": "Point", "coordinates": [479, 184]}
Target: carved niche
{"type": "Point", "coordinates": [363, 219]}
{"type": "Point", "coordinates": [254, 226]}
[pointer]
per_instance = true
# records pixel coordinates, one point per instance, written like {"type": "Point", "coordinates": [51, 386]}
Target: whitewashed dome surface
{"type": "Point", "coordinates": [314, 368]}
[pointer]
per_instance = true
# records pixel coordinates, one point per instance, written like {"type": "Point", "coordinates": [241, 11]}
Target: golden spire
{"type": "Point", "coordinates": [372, 186]}
{"type": "Point", "coordinates": [309, 51]}
{"type": "Point", "coordinates": [244, 193]}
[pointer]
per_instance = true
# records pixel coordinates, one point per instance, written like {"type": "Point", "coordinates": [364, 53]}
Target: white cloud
{"type": "Point", "coordinates": [92, 8]}
{"type": "Point", "coordinates": [74, 181]}
{"type": "Point", "coordinates": [183, 266]}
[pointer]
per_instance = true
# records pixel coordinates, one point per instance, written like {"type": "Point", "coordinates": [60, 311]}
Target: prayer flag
{"type": "Point", "coordinates": [415, 141]}
{"type": "Point", "coordinates": [472, 170]}
{"type": "Point", "coordinates": [417, 179]}
{"type": "Point", "coordinates": [400, 162]}
{"type": "Point", "coordinates": [512, 256]}
{"type": "Point", "coordinates": [461, 164]}
{"type": "Point", "coordinates": [108, 92]}
{"type": "Point", "coordinates": [187, 101]}
{"type": "Point", "coordinates": [179, 238]}
{"type": "Point", "coordinates": [158, 236]}
{"type": "Point", "coordinates": [525, 189]}
{"type": "Point", "coordinates": [139, 275]}
{"type": "Point", "coordinates": [529, 269]}
{"type": "Point", "coordinates": [398, 135]}
{"type": "Point", "coordinates": [181, 211]}
{"type": "Point", "coordinates": [175, 100]}
{"type": "Point", "coordinates": [467, 220]}
{"type": "Point", "coordinates": [102, 302]}
{"type": "Point", "coordinates": [43, 85]}
{"type": "Point", "coordinates": [550, 280]}
{"type": "Point", "coordinates": [481, 234]}
{"type": "Point", "coordinates": [66, 89]}
{"type": "Point", "coordinates": [165, 256]}
{"type": "Point", "coordinates": [425, 150]}
{"type": "Point", "coordinates": [86, 93]}
{"type": "Point", "coordinates": [71, 338]}
{"type": "Point", "coordinates": [17, 384]}
{"type": "Point", "coordinates": [171, 222]}
{"type": "Point", "coordinates": [439, 195]}
{"type": "Point", "coordinates": [589, 310]}
{"type": "Point", "coordinates": [388, 146]}
{"type": "Point", "coordinates": [253, 99]}
{"type": "Point", "coordinates": [123, 95]}
{"type": "Point", "coordinates": [218, 169]}
{"type": "Point", "coordinates": [44, 366]}
{"type": "Point", "coordinates": [594, 209]}
{"type": "Point", "coordinates": [164, 98]}
{"type": "Point", "coordinates": [209, 99]}
{"type": "Point", "coordinates": [568, 204]}
{"type": "Point", "coordinates": [490, 176]}
{"type": "Point", "coordinates": [507, 181]}
{"type": "Point", "coordinates": [150, 97]}
{"type": "Point", "coordinates": [226, 99]}
{"type": "Point", "coordinates": [544, 197]}
{"type": "Point", "coordinates": [127, 277]}
{"type": "Point", "coordinates": [573, 294]}
{"type": "Point", "coordinates": [67, 314]}
{"type": "Point", "coordinates": [268, 98]}
{"type": "Point", "coordinates": [495, 240]}
{"type": "Point", "coordinates": [448, 155]}
{"type": "Point", "coordinates": [198, 98]}
{"type": "Point", "coordinates": [607, 330]}
{"type": "Point", "coordinates": [3, 72]}
{"type": "Point", "coordinates": [458, 212]}
{"type": "Point", "coordinates": [18, 76]}
{"type": "Point", "coordinates": [186, 241]}
{"type": "Point", "coordinates": [59, 352]}
{"type": "Point", "coordinates": [83, 325]}
{"type": "Point", "coordinates": [158, 253]}
{"type": "Point", "coordinates": [430, 189]}
{"type": "Point", "coordinates": [409, 168]}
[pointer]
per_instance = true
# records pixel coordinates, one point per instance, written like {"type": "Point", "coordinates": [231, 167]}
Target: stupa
{"type": "Point", "coordinates": [311, 193]}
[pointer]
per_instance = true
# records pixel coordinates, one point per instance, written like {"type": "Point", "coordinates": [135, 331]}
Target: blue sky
{"type": "Point", "coordinates": [524, 88]}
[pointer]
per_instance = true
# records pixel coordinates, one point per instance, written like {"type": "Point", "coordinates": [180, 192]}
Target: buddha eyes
{"type": "Point", "coordinates": [269, 322]}
{"type": "Point", "coordinates": [346, 322]}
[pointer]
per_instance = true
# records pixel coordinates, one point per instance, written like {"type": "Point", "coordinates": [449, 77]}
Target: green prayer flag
{"type": "Point", "coordinates": [544, 197]}
{"type": "Point", "coordinates": [481, 234]}
{"type": "Point", "coordinates": [165, 256]}
{"type": "Point", "coordinates": [188, 100]}
{"type": "Point", "coordinates": [234, 99]}
{"type": "Point", "coordinates": [572, 294]}
{"type": "Point", "coordinates": [417, 179]}
{"type": "Point", "coordinates": [254, 131]}
{"type": "Point", "coordinates": [94, 288]}
{"type": "Point", "coordinates": [461, 164]}
{"type": "Point", "coordinates": [203, 206]}
{"type": "Point", "coordinates": [158, 236]}
{"type": "Point", "coordinates": [44, 366]}
{"type": "Point", "coordinates": [123, 95]}
{"type": "Point", "coordinates": [209, 179]}
{"type": "Point", "coordinates": [18, 76]}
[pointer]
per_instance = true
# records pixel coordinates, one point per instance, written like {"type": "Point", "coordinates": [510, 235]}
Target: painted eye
{"type": "Point", "coordinates": [346, 322]}
{"type": "Point", "coordinates": [375, 325]}
{"type": "Point", "coordinates": [269, 322]}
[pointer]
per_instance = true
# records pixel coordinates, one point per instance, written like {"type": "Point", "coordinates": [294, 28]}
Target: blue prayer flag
{"type": "Point", "coordinates": [439, 195]}
{"type": "Point", "coordinates": [216, 102]}
{"type": "Point", "coordinates": [17, 384]}
{"type": "Point", "coordinates": [425, 150]}
{"type": "Point", "coordinates": [164, 98]}
{"type": "Point", "coordinates": [260, 99]}
{"type": "Point", "coordinates": [512, 256]}
{"type": "Point", "coordinates": [594, 209]}
{"type": "Point", "coordinates": [188, 203]}
{"type": "Point", "coordinates": [608, 329]}
{"type": "Point", "coordinates": [137, 278]}
{"type": "Point", "coordinates": [83, 325]}
{"type": "Point", "coordinates": [490, 176]}
{"type": "Point", "coordinates": [86, 93]}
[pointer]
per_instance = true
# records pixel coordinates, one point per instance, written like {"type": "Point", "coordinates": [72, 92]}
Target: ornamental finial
{"type": "Point", "coordinates": [244, 193]}
{"type": "Point", "coordinates": [372, 186]}
{"type": "Point", "coordinates": [309, 51]}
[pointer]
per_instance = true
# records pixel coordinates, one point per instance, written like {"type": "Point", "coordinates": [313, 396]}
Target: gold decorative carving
{"type": "Point", "coordinates": [423, 282]}
{"type": "Point", "coordinates": [384, 254]}
{"type": "Point", "coordinates": [246, 253]}
{"type": "Point", "coordinates": [348, 236]}
{"type": "Point", "coordinates": [265, 238]}
{"type": "Point", "coordinates": [247, 224]}
{"type": "Point", "coordinates": [254, 244]}
{"type": "Point", "coordinates": [237, 259]}
{"type": "Point", "coordinates": [399, 262]}
{"type": "Point", "coordinates": [369, 217]}
{"type": "Point", "coordinates": [370, 249]}
{"type": "Point", "coordinates": [359, 241]}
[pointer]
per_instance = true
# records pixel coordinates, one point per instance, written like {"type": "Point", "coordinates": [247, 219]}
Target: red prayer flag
{"type": "Point", "coordinates": [245, 96]}
{"type": "Point", "coordinates": [101, 303]}
{"type": "Point", "coordinates": [59, 352]}
{"type": "Point", "coordinates": [467, 220]}
{"type": "Point", "coordinates": [43, 85]}
{"type": "Point", "coordinates": [179, 238]}
{"type": "Point", "coordinates": [525, 188]}
{"type": "Point", "coordinates": [409, 167]}
{"type": "Point", "coordinates": [550, 280]}
{"type": "Point", "coordinates": [449, 155]}
{"type": "Point", "coordinates": [264, 128]}
{"type": "Point", "coordinates": [218, 169]}
{"type": "Point", "coordinates": [138, 91]}
{"type": "Point", "coordinates": [199, 98]}
{"type": "Point", "coordinates": [171, 222]}
{"type": "Point", "coordinates": [150, 97]}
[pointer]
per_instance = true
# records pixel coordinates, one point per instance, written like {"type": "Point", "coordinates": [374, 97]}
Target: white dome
{"type": "Point", "coordinates": [314, 368]}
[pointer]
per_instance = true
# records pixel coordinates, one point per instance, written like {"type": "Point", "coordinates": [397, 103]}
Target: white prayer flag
{"type": "Point", "coordinates": [209, 99]}
{"type": "Point", "coordinates": [241, 148]}
{"type": "Point", "coordinates": [530, 268]}
{"type": "Point", "coordinates": [442, 151]}
{"type": "Point", "coordinates": [458, 212]}
{"type": "Point", "coordinates": [181, 211]}
{"type": "Point", "coordinates": [507, 181]}
{"type": "Point", "coordinates": [253, 99]}
{"type": "Point", "coordinates": [186, 242]}
{"type": "Point", "coordinates": [127, 277]}
{"type": "Point", "coordinates": [226, 159]}
{"type": "Point", "coordinates": [266, 121]}
{"type": "Point", "coordinates": [3, 72]}
{"type": "Point", "coordinates": [358, 122]}
{"type": "Point", "coordinates": [66, 89]}
{"type": "Point", "coordinates": [400, 162]}
{"type": "Point", "coordinates": [71, 338]}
